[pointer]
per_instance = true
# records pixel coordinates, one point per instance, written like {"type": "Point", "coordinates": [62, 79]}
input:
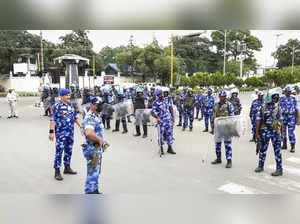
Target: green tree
{"type": "Point", "coordinates": [196, 53]}
{"type": "Point", "coordinates": [234, 67]}
{"type": "Point", "coordinates": [13, 43]}
{"type": "Point", "coordinates": [235, 38]}
{"type": "Point", "coordinates": [254, 82]}
{"type": "Point", "coordinates": [284, 52]}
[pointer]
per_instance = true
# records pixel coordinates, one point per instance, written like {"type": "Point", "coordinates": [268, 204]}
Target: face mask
{"type": "Point", "coordinates": [99, 108]}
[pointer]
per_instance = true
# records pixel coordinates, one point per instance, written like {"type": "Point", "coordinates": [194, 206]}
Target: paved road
{"type": "Point", "coordinates": [132, 165]}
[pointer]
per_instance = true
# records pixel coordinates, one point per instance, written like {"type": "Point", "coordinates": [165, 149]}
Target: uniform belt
{"type": "Point", "coordinates": [285, 114]}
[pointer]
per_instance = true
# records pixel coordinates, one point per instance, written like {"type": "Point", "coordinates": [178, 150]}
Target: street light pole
{"type": "Point", "coordinates": [172, 59]}
{"type": "Point", "coordinates": [225, 50]}
{"type": "Point", "coordinates": [42, 56]}
{"type": "Point", "coordinates": [224, 62]}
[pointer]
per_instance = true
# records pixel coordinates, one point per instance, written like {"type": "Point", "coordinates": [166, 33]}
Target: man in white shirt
{"type": "Point", "coordinates": [12, 101]}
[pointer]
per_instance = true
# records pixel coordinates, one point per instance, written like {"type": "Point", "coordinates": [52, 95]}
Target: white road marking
{"type": "Point", "coordinates": [233, 188]}
{"type": "Point", "coordinates": [293, 160]}
{"type": "Point", "coordinates": [287, 169]}
{"type": "Point", "coordinates": [280, 182]}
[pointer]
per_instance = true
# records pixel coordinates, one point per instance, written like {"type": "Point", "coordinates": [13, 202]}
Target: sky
{"type": "Point", "coordinates": [114, 38]}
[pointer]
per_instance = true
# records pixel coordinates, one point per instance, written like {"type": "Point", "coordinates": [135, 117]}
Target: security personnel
{"type": "Point", "coordinates": [188, 109]}
{"type": "Point", "coordinates": [180, 105]}
{"type": "Point", "coordinates": [12, 98]}
{"type": "Point", "coordinates": [119, 99]}
{"type": "Point", "coordinates": [93, 148]}
{"type": "Point", "coordinates": [140, 103]}
{"type": "Point", "coordinates": [165, 119]}
{"type": "Point", "coordinates": [209, 103]}
{"type": "Point", "coordinates": [152, 97]}
{"type": "Point", "coordinates": [128, 96]}
{"type": "Point", "coordinates": [290, 111]}
{"type": "Point", "coordinates": [199, 105]}
{"type": "Point", "coordinates": [255, 107]}
{"type": "Point", "coordinates": [269, 123]}
{"type": "Point", "coordinates": [107, 98]}
{"type": "Point", "coordinates": [236, 102]}
{"type": "Point", "coordinates": [62, 119]}
{"type": "Point", "coordinates": [46, 98]}
{"type": "Point", "coordinates": [223, 109]}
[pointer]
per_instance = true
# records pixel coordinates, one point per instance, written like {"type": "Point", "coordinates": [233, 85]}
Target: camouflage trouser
{"type": "Point", "coordinates": [253, 122]}
{"type": "Point", "coordinates": [63, 144]}
{"type": "Point", "coordinates": [228, 149]}
{"type": "Point", "coordinates": [165, 128]}
{"type": "Point", "coordinates": [199, 109]}
{"type": "Point", "coordinates": [188, 115]}
{"type": "Point", "coordinates": [267, 135]}
{"type": "Point", "coordinates": [180, 111]}
{"type": "Point", "coordinates": [93, 169]}
{"type": "Point", "coordinates": [289, 123]}
{"type": "Point", "coordinates": [208, 119]}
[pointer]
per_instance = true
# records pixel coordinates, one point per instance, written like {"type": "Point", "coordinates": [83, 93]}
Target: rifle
{"type": "Point", "coordinates": [95, 157]}
{"type": "Point", "coordinates": [259, 144]}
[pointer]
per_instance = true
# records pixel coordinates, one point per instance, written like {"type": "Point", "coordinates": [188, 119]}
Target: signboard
{"type": "Point", "coordinates": [108, 79]}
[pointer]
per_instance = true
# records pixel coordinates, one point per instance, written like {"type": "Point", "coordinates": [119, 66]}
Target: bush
{"type": "Point", "coordinates": [22, 94]}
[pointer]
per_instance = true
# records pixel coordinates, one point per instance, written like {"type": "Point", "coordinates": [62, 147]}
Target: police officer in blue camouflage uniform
{"type": "Point", "coordinates": [188, 109]}
{"type": "Point", "coordinates": [223, 109]}
{"type": "Point", "coordinates": [62, 119]}
{"type": "Point", "coordinates": [165, 119]}
{"type": "Point", "coordinates": [93, 148]}
{"type": "Point", "coordinates": [269, 127]}
{"type": "Point", "coordinates": [209, 103]}
{"type": "Point", "coordinates": [199, 105]}
{"type": "Point", "coordinates": [290, 112]}
{"type": "Point", "coordinates": [255, 107]}
{"type": "Point", "coordinates": [180, 106]}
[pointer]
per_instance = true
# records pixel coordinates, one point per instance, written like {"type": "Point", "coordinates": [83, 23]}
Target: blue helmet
{"type": "Point", "coordinates": [106, 90]}
{"type": "Point", "coordinates": [139, 90]}
{"type": "Point", "coordinates": [120, 92]}
{"type": "Point", "coordinates": [158, 92]}
{"type": "Point", "coordinates": [222, 93]}
{"type": "Point", "coordinates": [209, 90]}
{"type": "Point", "coordinates": [96, 100]}
{"type": "Point", "coordinates": [288, 89]}
{"type": "Point", "coordinates": [64, 92]}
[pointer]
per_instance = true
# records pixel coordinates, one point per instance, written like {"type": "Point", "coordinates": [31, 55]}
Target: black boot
{"type": "Point", "coordinates": [205, 130]}
{"type": "Point", "coordinates": [162, 150]}
{"type": "Point", "coordinates": [259, 169]}
{"type": "Point", "coordinates": [277, 173]}
{"type": "Point", "coordinates": [253, 139]}
{"type": "Point", "coordinates": [292, 148]}
{"type": "Point", "coordinates": [191, 129]}
{"type": "Point", "coordinates": [170, 150]}
{"type": "Point", "coordinates": [117, 128]}
{"type": "Point", "coordinates": [124, 124]}
{"type": "Point", "coordinates": [94, 192]}
{"type": "Point", "coordinates": [284, 146]}
{"type": "Point", "coordinates": [178, 125]}
{"type": "Point", "coordinates": [229, 163]}
{"type": "Point", "coordinates": [57, 174]}
{"type": "Point", "coordinates": [138, 130]}
{"type": "Point", "coordinates": [145, 130]}
{"type": "Point", "coordinates": [68, 170]}
{"type": "Point", "coordinates": [216, 161]}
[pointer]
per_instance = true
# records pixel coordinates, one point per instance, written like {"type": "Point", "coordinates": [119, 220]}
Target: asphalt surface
{"type": "Point", "coordinates": [132, 165]}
